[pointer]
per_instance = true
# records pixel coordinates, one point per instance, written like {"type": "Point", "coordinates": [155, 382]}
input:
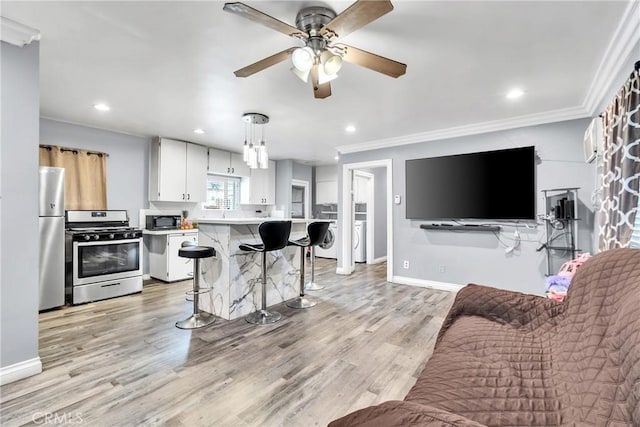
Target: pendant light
{"type": "Point", "coordinates": [255, 149]}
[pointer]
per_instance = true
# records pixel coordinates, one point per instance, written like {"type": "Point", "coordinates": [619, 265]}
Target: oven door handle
{"type": "Point", "coordinates": [109, 242]}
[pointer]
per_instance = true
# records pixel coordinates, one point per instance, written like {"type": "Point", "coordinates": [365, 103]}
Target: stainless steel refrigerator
{"type": "Point", "coordinates": [51, 237]}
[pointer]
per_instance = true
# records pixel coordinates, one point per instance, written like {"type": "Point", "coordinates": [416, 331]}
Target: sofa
{"type": "Point", "coordinates": [509, 359]}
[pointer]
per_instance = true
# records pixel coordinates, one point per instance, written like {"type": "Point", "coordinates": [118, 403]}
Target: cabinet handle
{"type": "Point", "coordinates": [188, 196]}
{"type": "Point", "coordinates": [233, 170]}
{"type": "Point", "coordinates": [228, 170]}
{"type": "Point", "coordinates": [182, 196]}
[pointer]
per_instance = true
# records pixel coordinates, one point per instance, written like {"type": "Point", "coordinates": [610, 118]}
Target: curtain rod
{"type": "Point", "coordinates": [74, 150]}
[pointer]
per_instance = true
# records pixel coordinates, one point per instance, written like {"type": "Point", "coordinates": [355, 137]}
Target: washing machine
{"type": "Point", "coordinates": [327, 249]}
{"type": "Point", "coordinates": [360, 241]}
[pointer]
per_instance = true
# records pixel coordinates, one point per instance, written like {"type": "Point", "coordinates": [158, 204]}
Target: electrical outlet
{"type": "Point", "coordinates": [405, 264]}
{"type": "Point", "coordinates": [443, 269]}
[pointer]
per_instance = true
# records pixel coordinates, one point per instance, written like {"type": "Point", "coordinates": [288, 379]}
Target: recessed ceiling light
{"type": "Point", "coordinates": [101, 107]}
{"type": "Point", "coordinates": [198, 131]}
{"type": "Point", "coordinates": [337, 157]}
{"type": "Point", "coordinates": [350, 128]}
{"type": "Point", "coordinates": [515, 93]}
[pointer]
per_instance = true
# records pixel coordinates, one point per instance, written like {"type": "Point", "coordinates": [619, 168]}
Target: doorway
{"type": "Point", "coordinates": [348, 208]}
{"type": "Point", "coordinates": [300, 206]}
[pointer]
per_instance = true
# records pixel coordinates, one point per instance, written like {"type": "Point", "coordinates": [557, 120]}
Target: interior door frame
{"type": "Point", "coordinates": [370, 221]}
{"type": "Point", "coordinates": [346, 206]}
{"type": "Point", "coordinates": [307, 198]}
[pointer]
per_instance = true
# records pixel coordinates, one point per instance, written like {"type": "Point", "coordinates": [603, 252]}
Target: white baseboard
{"type": "Point", "coordinates": [146, 276]}
{"type": "Point", "coordinates": [20, 370]}
{"type": "Point", "coordinates": [441, 286]}
{"type": "Point", "coordinates": [379, 260]}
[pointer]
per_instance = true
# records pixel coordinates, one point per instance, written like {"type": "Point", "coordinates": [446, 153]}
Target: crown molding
{"type": "Point", "coordinates": [17, 34]}
{"type": "Point", "coordinates": [472, 129]}
{"type": "Point", "coordinates": [625, 37]}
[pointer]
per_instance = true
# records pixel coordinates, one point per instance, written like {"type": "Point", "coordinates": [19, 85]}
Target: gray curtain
{"type": "Point", "coordinates": [621, 172]}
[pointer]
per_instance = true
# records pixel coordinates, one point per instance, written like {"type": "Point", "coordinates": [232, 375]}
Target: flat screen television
{"type": "Point", "coordinates": [497, 185]}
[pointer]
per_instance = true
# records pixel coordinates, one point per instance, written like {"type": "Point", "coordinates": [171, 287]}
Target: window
{"type": "Point", "coordinates": [635, 236]}
{"type": "Point", "coordinates": [223, 192]}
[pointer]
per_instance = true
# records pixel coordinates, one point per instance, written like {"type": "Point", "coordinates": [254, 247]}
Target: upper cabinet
{"type": "Point", "coordinates": [177, 171]}
{"type": "Point", "coordinates": [260, 187]}
{"type": "Point", "coordinates": [226, 163]}
{"type": "Point", "coordinates": [326, 185]}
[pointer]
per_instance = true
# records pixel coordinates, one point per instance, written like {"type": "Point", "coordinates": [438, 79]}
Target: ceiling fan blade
{"type": "Point", "coordinates": [356, 16]}
{"type": "Point", "coordinates": [371, 61]}
{"type": "Point", "coordinates": [320, 91]}
{"type": "Point", "coordinates": [254, 15]}
{"type": "Point", "coordinates": [264, 63]}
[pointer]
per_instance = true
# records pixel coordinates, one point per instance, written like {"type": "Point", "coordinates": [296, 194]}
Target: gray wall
{"type": "Point", "coordinates": [302, 172]}
{"type": "Point", "coordinates": [284, 171]}
{"type": "Point", "coordinates": [127, 164]}
{"type": "Point", "coordinates": [19, 203]}
{"type": "Point", "coordinates": [478, 257]}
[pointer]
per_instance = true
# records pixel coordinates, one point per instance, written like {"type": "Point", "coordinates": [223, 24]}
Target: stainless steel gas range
{"type": "Point", "coordinates": [103, 256]}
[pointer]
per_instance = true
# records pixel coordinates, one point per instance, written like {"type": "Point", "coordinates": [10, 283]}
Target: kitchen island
{"type": "Point", "coordinates": [234, 276]}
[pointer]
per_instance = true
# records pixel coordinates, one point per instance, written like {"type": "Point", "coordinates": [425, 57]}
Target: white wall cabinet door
{"type": "Point", "coordinates": [219, 162]}
{"type": "Point", "coordinates": [326, 185]}
{"type": "Point", "coordinates": [360, 189]}
{"type": "Point", "coordinates": [172, 170]}
{"type": "Point", "coordinates": [260, 187]}
{"type": "Point", "coordinates": [225, 163]}
{"type": "Point", "coordinates": [326, 192]}
{"type": "Point", "coordinates": [238, 166]}
{"type": "Point", "coordinates": [177, 171]}
{"type": "Point", "coordinates": [196, 173]}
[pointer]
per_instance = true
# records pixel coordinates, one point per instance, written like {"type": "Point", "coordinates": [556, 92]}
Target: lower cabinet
{"type": "Point", "coordinates": [164, 262]}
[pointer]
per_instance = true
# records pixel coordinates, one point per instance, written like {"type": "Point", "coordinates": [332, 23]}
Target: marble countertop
{"type": "Point", "coordinates": [241, 221]}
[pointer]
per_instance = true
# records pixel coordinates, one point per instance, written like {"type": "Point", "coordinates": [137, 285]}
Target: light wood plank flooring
{"type": "Point", "coordinates": [122, 362]}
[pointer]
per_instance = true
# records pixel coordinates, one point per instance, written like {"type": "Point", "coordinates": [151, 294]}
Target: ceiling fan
{"type": "Point", "coordinates": [318, 27]}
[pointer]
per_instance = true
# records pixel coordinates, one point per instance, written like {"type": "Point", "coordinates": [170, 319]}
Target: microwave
{"type": "Point", "coordinates": [163, 222]}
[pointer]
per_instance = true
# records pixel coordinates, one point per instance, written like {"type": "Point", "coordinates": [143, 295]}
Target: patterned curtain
{"type": "Point", "coordinates": [621, 172]}
{"type": "Point", "coordinates": [85, 175]}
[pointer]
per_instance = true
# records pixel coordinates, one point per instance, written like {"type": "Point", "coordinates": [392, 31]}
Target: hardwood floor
{"type": "Point", "coordinates": [123, 362]}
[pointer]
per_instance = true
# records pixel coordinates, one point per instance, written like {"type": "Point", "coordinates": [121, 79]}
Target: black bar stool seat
{"type": "Point", "coordinates": [315, 235]}
{"type": "Point", "coordinates": [199, 318]}
{"type": "Point", "coordinates": [274, 236]}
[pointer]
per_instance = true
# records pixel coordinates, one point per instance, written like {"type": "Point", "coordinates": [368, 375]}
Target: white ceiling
{"type": "Point", "coordinates": [166, 68]}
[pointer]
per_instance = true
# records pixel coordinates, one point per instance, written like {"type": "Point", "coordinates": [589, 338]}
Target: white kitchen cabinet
{"type": "Point", "coordinates": [326, 185]}
{"type": "Point", "coordinates": [260, 187]}
{"type": "Point", "coordinates": [360, 189]}
{"type": "Point", "coordinates": [225, 163]}
{"type": "Point", "coordinates": [177, 171]}
{"type": "Point", "coordinates": [326, 192]}
{"type": "Point", "coordinates": [164, 262]}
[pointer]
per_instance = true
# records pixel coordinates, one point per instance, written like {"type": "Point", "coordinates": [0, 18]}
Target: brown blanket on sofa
{"type": "Point", "coordinates": [509, 359]}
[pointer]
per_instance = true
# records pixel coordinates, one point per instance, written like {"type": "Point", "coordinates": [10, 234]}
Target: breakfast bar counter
{"type": "Point", "coordinates": [234, 276]}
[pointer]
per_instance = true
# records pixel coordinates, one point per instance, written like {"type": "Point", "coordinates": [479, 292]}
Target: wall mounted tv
{"type": "Point", "coordinates": [498, 185]}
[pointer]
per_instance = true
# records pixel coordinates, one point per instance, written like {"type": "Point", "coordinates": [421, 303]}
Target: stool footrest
{"type": "Point", "coordinates": [201, 291]}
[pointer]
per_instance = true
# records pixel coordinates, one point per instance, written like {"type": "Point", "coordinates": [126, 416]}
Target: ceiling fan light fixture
{"type": "Point", "coordinates": [323, 77]}
{"type": "Point", "coordinates": [302, 75]}
{"type": "Point", "coordinates": [303, 58]}
{"type": "Point", "coordinates": [330, 62]}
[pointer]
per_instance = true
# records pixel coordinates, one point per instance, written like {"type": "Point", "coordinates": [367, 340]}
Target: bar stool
{"type": "Point", "coordinates": [322, 233]}
{"type": "Point", "coordinates": [189, 244]}
{"type": "Point", "coordinates": [315, 235]}
{"type": "Point", "coordinates": [197, 319]}
{"type": "Point", "coordinates": [275, 236]}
